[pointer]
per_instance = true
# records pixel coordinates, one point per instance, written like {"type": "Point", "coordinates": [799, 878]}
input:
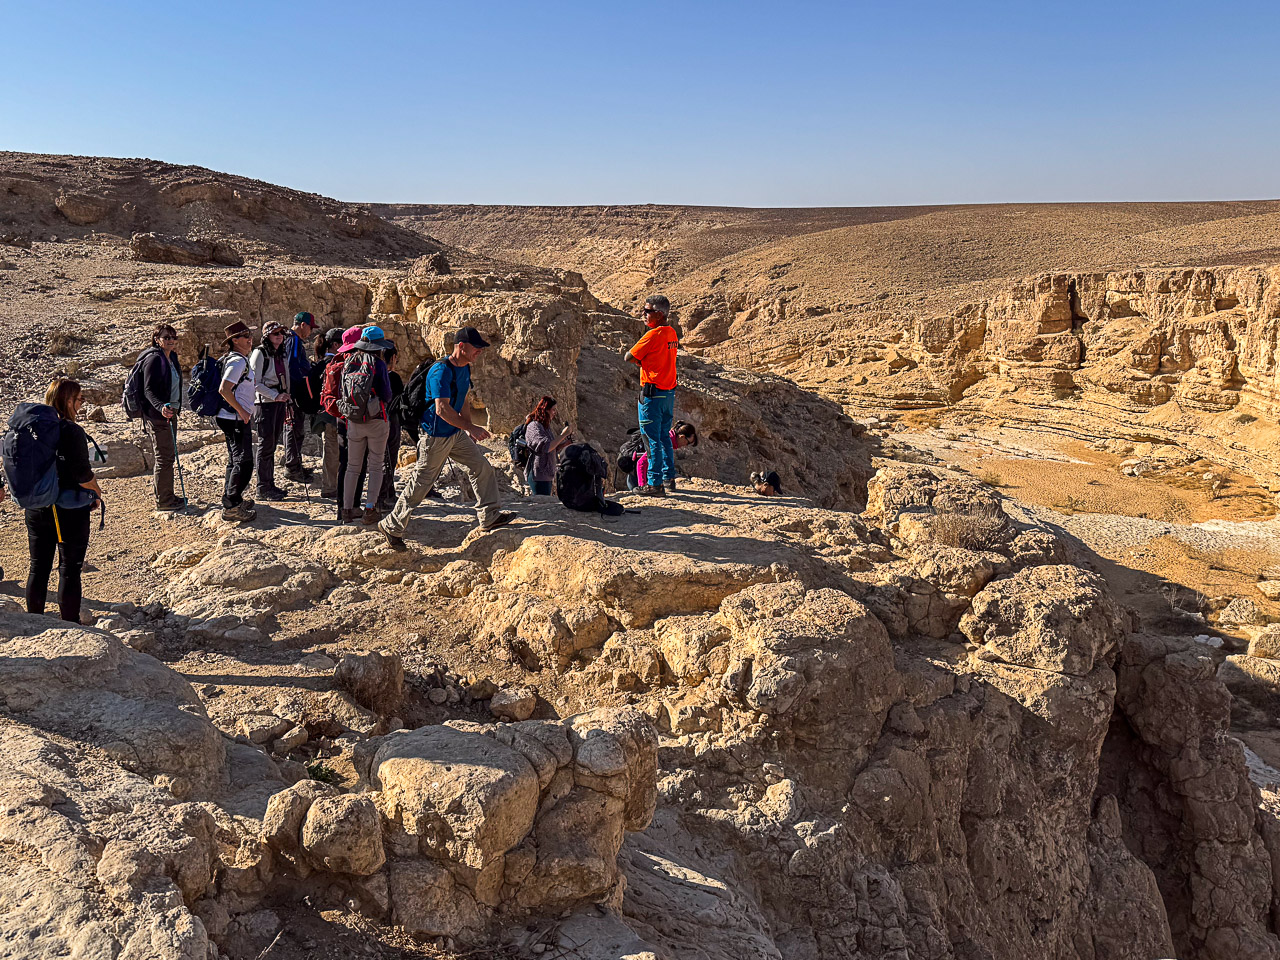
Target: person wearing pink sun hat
{"type": "Point", "coordinates": [329, 398]}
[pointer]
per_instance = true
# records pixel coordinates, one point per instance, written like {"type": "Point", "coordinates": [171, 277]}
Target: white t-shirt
{"type": "Point", "coordinates": [237, 367]}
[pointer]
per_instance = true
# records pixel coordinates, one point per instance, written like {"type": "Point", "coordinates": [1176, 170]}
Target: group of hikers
{"type": "Point", "coordinates": [347, 390]}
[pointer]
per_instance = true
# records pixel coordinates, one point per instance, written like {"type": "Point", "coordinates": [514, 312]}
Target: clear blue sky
{"type": "Point", "coordinates": [746, 103]}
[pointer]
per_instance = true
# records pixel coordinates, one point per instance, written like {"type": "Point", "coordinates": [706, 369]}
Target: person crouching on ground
{"type": "Point", "coordinates": [63, 528]}
{"type": "Point", "coordinates": [161, 402]}
{"type": "Point", "coordinates": [366, 393]}
{"type": "Point", "coordinates": [271, 375]}
{"type": "Point", "coordinates": [683, 434]}
{"type": "Point", "coordinates": [655, 354]}
{"type": "Point", "coordinates": [544, 446]}
{"type": "Point", "coordinates": [767, 484]}
{"type": "Point", "coordinates": [237, 389]}
{"type": "Point", "coordinates": [448, 433]}
{"type": "Point", "coordinates": [295, 419]}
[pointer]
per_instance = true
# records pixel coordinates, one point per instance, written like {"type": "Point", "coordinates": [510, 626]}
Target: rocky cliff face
{"type": "Point", "coordinates": [1179, 356]}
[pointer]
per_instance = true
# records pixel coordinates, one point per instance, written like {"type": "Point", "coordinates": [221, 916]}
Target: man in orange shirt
{"type": "Point", "coordinates": [655, 354]}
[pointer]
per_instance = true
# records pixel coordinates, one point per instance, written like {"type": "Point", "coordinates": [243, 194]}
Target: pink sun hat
{"type": "Point", "coordinates": [350, 337]}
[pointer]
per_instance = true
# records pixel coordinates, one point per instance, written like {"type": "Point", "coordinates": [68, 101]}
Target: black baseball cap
{"type": "Point", "coordinates": [472, 336]}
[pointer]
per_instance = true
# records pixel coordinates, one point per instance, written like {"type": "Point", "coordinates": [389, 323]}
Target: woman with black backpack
{"type": "Point", "coordinates": [62, 529]}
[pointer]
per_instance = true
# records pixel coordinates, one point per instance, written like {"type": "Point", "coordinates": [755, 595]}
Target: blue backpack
{"type": "Point", "coordinates": [30, 453]}
{"type": "Point", "coordinates": [206, 378]}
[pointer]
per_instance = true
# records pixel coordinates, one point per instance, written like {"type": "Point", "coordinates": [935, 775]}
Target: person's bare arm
{"type": "Point", "coordinates": [630, 357]}
{"type": "Point", "coordinates": [455, 419]}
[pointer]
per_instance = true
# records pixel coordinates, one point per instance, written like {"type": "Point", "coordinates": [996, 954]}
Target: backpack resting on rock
{"type": "Point", "coordinates": [580, 477]}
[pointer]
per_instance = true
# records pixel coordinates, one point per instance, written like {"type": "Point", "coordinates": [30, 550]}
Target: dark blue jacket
{"type": "Point", "coordinates": [299, 365]}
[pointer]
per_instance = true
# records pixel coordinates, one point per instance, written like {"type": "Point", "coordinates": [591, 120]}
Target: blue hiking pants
{"type": "Point", "coordinates": [656, 413]}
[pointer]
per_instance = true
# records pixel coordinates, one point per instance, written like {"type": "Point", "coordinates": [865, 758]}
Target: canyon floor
{"type": "Point", "coordinates": [994, 680]}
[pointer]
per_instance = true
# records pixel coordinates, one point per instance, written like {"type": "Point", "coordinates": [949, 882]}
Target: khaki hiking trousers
{"type": "Point", "coordinates": [432, 454]}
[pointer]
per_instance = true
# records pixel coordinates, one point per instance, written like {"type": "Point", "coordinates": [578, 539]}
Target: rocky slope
{"type": "Point", "coordinates": [43, 197]}
{"type": "Point", "coordinates": [923, 733]}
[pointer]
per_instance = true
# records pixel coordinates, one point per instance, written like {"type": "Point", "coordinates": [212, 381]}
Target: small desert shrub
{"type": "Point", "coordinates": [64, 342]}
{"type": "Point", "coordinates": [321, 772]}
{"type": "Point", "coordinates": [991, 479]}
{"type": "Point", "coordinates": [1072, 504]}
{"type": "Point", "coordinates": [977, 528]}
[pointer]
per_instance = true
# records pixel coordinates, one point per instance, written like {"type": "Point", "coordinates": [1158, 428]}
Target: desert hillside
{"type": "Point", "coordinates": [842, 258]}
{"type": "Point", "coordinates": [996, 678]}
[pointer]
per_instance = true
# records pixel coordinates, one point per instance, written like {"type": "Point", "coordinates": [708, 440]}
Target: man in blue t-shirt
{"type": "Point", "coordinates": [448, 433]}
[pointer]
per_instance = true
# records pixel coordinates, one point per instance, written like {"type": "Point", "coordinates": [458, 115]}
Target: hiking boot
{"type": "Point", "coordinates": [651, 490]}
{"type": "Point", "coordinates": [240, 513]}
{"type": "Point", "coordinates": [669, 486]}
{"type": "Point", "coordinates": [347, 516]}
{"type": "Point", "coordinates": [272, 493]}
{"type": "Point", "coordinates": [501, 520]}
{"type": "Point", "coordinates": [170, 506]}
{"type": "Point", "coordinates": [299, 476]}
{"type": "Point", "coordinates": [371, 516]}
{"type": "Point", "coordinates": [386, 506]}
{"type": "Point", "coordinates": [394, 542]}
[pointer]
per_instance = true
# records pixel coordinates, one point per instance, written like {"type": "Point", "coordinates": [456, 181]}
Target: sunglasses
{"type": "Point", "coordinates": [169, 339]}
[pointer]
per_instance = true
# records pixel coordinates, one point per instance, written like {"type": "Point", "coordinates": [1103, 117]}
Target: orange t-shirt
{"type": "Point", "coordinates": [656, 352]}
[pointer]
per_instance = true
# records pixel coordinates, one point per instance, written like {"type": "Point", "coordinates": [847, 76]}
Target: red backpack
{"type": "Point", "coordinates": [332, 392]}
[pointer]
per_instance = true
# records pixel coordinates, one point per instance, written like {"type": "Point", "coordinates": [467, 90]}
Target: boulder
{"type": "Point", "coordinates": [87, 683]}
{"type": "Point", "coordinates": [343, 834]}
{"type": "Point", "coordinates": [455, 795]}
{"type": "Point", "coordinates": [183, 251]}
{"type": "Point", "coordinates": [375, 680]}
{"type": "Point", "coordinates": [1057, 618]}
{"type": "Point", "coordinates": [513, 703]}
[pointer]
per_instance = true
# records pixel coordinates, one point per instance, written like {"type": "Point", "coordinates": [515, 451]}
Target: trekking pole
{"type": "Point", "coordinates": [177, 459]}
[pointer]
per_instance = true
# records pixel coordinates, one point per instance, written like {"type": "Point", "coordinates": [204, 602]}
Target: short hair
{"type": "Point", "coordinates": [162, 330]}
{"type": "Point", "coordinates": [61, 395]}
{"type": "Point", "coordinates": [660, 303]}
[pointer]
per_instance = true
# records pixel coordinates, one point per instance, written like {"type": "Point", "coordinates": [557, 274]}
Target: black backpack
{"type": "Point", "coordinates": [30, 455]}
{"type": "Point", "coordinates": [580, 478]}
{"type": "Point", "coordinates": [134, 399]}
{"type": "Point", "coordinates": [635, 444]}
{"type": "Point", "coordinates": [206, 379]}
{"type": "Point", "coordinates": [412, 404]}
{"type": "Point", "coordinates": [518, 449]}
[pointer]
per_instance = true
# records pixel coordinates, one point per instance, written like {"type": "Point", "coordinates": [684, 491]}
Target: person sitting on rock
{"type": "Point", "coordinates": [238, 390]}
{"type": "Point", "coordinates": [295, 418]}
{"type": "Point", "coordinates": [655, 354]}
{"type": "Point", "coordinates": [448, 433]}
{"type": "Point", "coordinates": [683, 434]}
{"type": "Point", "coordinates": [270, 366]}
{"type": "Point", "coordinates": [161, 402]}
{"type": "Point", "coordinates": [767, 483]}
{"type": "Point", "coordinates": [544, 446]}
